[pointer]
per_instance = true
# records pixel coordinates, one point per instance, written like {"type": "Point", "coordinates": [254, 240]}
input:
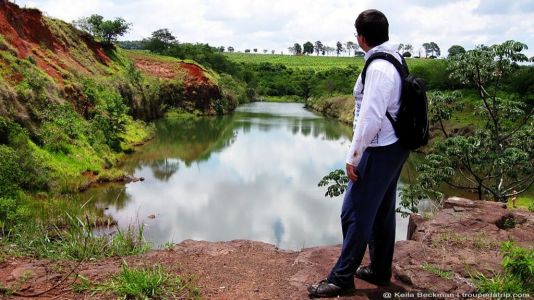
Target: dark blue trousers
{"type": "Point", "coordinates": [368, 214]}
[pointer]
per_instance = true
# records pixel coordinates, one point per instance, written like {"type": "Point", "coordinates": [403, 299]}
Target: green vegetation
{"type": "Point", "coordinates": [495, 158]}
{"type": "Point", "coordinates": [67, 125]}
{"type": "Point", "coordinates": [488, 114]}
{"type": "Point", "coordinates": [153, 283]}
{"type": "Point", "coordinates": [301, 62]}
{"type": "Point", "coordinates": [518, 275]}
{"type": "Point", "coordinates": [106, 30]}
{"type": "Point", "coordinates": [437, 271]}
{"type": "Point", "coordinates": [142, 283]}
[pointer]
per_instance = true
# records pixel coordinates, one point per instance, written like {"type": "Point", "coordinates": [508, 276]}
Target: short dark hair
{"type": "Point", "coordinates": [374, 26]}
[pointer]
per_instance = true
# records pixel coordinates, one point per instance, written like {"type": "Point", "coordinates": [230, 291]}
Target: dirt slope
{"type": "Point", "coordinates": [56, 47]}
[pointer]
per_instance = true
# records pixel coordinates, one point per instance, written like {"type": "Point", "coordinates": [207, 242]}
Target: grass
{"type": "Point", "coordinates": [143, 283]}
{"type": "Point", "coordinates": [525, 201]}
{"type": "Point", "coordinates": [437, 271]}
{"type": "Point", "coordinates": [72, 239]}
{"type": "Point", "coordinates": [451, 239]}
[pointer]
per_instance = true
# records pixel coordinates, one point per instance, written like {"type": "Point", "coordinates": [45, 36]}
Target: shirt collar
{"type": "Point", "coordinates": [386, 46]}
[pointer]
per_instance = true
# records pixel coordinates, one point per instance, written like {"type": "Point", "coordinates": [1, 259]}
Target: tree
{"type": "Point", "coordinates": [231, 49]}
{"type": "Point", "coordinates": [296, 49]}
{"type": "Point", "coordinates": [221, 49]}
{"type": "Point", "coordinates": [356, 49]}
{"type": "Point", "coordinates": [431, 48]}
{"type": "Point", "coordinates": [405, 49]}
{"type": "Point", "coordinates": [307, 48]}
{"type": "Point", "coordinates": [291, 50]}
{"type": "Point", "coordinates": [106, 30]}
{"type": "Point", "coordinates": [339, 48]}
{"type": "Point", "coordinates": [90, 24]}
{"type": "Point", "coordinates": [496, 159]}
{"type": "Point", "coordinates": [318, 47]}
{"type": "Point", "coordinates": [111, 30]}
{"type": "Point", "coordinates": [247, 50]}
{"type": "Point", "coordinates": [349, 45]}
{"type": "Point", "coordinates": [265, 51]}
{"type": "Point", "coordinates": [255, 50]}
{"type": "Point", "coordinates": [455, 49]}
{"type": "Point", "coordinates": [160, 41]}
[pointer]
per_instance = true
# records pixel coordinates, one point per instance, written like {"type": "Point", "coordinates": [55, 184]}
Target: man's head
{"type": "Point", "coordinates": [372, 25]}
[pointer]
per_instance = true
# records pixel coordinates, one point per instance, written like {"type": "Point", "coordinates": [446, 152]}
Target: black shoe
{"type": "Point", "coordinates": [325, 289]}
{"type": "Point", "coordinates": [367, 274]}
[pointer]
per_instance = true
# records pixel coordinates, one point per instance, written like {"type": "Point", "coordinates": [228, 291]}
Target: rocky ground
{"type": "Point", "coordinates": [441, 255]}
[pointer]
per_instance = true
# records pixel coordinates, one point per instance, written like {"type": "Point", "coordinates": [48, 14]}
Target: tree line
{"type": "Point", "coordinates": [431, 49]}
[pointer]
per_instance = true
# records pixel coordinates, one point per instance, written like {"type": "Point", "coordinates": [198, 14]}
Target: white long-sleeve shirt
{"type": "Point", "coordinates": [382, 92]}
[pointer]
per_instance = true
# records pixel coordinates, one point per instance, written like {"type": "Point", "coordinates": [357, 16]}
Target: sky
{"type": "Point", "coordinates": [278, 24]}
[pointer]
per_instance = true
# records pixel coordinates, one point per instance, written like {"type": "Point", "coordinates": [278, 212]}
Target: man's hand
{"type": "Point", "coordinates": [351, 172]}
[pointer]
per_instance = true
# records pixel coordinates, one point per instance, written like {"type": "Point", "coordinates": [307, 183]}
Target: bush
{"type": "Point", "coordinates": [109, 115]}
{"type": "Point", "coordinates": [54, 138]}
{"type": "Point", "coordinates": [518, 276]}
{"type": "Point", "coordinates": [235, 92]}
{"type": "Point", "coordinates": [10, 172]}
{"type": "Point", "coordinates": [522, 82]}
{"type": "Point", "coordinates": [12, 213]}
{"type": "Point", "coordinates": [334, 81]}
{"type": "Point", "coordinates": [21, 161]}
{"type": "Point", "coordinates": [435, 75]}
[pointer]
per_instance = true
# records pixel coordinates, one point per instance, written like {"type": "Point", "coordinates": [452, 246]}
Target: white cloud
{"type": "Point", "coordinates": [278, 24]}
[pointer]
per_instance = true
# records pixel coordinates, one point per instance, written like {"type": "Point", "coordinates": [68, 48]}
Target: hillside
{"type": "Point", "coordinates": [70, 105]}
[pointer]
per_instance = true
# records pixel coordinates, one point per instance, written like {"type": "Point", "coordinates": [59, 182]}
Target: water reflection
{"type": "Point", "coordinates": [252, 175]}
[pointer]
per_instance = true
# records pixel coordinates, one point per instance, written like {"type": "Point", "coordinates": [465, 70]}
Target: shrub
{"type": "Point", "coordinates": [435, 75]}
{"type": "Point", "coordinates": [109, 114]}
{"type": "Point", "coordinates": [518, 275]}
{"type": "Point", "coordinates": [234, 90]}
{"type": "Point", "coordinates": [19, 159]}
{"type": "Point", "coordinates": [13, 212]}
{"type": "Point", "coordinates": [10, 172]}
{"type": "Point", "coordinates": [54, 138]}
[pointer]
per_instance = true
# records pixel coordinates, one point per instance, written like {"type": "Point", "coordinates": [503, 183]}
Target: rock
{"type": "Point", "coordinates": [129, 178]}
{"type": "Point", "coordinates": [152, 216]}
{"type": "Point", "coordinates": [460, 240]}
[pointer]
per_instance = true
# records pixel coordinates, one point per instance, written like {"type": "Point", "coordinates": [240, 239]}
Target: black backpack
{"type": "Point", "coordinates": [411, 126]}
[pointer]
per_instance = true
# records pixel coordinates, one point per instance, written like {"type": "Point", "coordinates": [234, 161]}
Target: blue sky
{"type": "Point", "coordinates": [278, 24]}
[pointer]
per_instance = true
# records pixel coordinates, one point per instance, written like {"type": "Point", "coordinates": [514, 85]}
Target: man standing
{"type": "Point", "coordinates": [373, 166]}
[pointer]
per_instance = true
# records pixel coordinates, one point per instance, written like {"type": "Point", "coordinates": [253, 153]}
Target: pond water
{"type": "Point", "coordinates": [250, 175]}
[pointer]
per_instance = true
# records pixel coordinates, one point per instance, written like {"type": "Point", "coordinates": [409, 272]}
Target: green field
{"type": "Point", "coordinates": [297, 61]}
{"type": "Point", "coordinates": [317, 63]}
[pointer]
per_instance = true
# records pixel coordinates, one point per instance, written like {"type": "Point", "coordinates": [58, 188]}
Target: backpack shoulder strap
{"type": "Point", "coordinates": [402, 68]}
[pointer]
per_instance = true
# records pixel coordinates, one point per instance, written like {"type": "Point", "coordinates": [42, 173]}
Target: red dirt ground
{"type": "Point", "coordinates": [222, 270]}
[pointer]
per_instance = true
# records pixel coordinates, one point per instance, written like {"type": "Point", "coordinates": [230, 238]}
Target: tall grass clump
{"type": "Point", "coordinates": [78, 241]}
{"type": "Point", "coordinates": [150, 283]}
